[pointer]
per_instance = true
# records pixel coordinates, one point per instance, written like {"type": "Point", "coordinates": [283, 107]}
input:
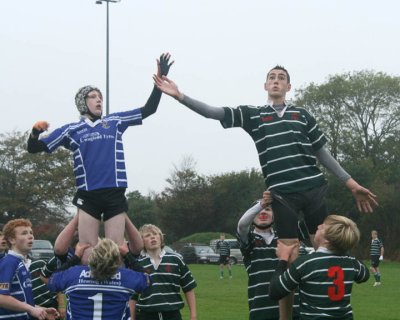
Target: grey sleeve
{"type": "Point", "coordinates": [203, 109]}
{"type": "Point", "coordinates": [246, 220]}
{"type": "Point", "coordinates": [329, 162]}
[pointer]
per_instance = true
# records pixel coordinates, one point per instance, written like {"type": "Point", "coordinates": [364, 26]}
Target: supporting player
{"type": "Point", "coordinates": [325, 277]}
{"type": "Point", "coordinates": [102, 289]}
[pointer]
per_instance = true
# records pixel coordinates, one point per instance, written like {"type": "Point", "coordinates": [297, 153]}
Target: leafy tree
{"type": "Point", "coordinates": [358, 111]}
{"type": "Point", "coordinates": [38, 187]}
{"type": "Point", "coordinates": [185, 203]}
{"type": "Point", "coordinates": [142, 209]}
{"type": "Point", "coordinates": [232, 195]}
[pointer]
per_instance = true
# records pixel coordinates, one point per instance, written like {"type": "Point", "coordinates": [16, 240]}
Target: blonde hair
{"type": "Point", "coordinates": [9, 228]}
{"type": "Point", "coordinates": [152, 229]}
{"type": "Point", "coordinates": [341, 232]}
{"type": "Point", "coordinates": [104, 260]}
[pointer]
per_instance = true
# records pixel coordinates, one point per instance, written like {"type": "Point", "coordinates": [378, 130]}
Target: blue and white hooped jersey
{"type": "Point", "coordinates": [89, 299]}
{"type": "Point", "coordinates": [15, 281]}
{"type": "Point", "coordinates": [97, 148]}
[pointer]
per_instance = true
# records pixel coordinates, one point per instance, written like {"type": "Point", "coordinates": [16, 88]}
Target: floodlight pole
{"type": "Point", "coordinates": [107, 54]}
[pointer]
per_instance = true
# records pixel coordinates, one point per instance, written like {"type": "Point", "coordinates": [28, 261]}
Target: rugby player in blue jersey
{"type": "Point", "coordinates": [98, 155]}
{"type": "Point", "coordinates": [101, 290]}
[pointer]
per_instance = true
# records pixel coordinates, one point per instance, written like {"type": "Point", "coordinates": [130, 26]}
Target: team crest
{"type": "Point", "coordinates": [168, 268]}
{"type": "Point", "coordinates": [295, 116]}
{"type": "Point", "coordinates": [105, 125]}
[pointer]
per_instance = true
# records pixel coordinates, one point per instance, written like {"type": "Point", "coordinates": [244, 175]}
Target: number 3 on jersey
{"type": "Point", "coordinates": [336, 292]}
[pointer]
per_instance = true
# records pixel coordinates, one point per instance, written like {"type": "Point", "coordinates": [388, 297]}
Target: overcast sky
{"type": "Point", "coordinates": [222, 51]}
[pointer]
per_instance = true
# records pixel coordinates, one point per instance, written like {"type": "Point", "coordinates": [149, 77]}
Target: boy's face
{"type": "Point", "coordinates": [94, 102]}
{"type": "Point", "coordinates": [277, 84]}
{"type": "Point", "coordinates": [151, 240]}
{"type": "Point", "coordinates": [3, 244]}
{"type": "Point", "coordinates": [374, 235]}
{"type": "Point", "coordinates": [264, 218]}
{"type": "Point", "coordinates": [22, 243]}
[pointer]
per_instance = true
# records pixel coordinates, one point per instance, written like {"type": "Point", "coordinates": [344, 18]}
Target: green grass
{"type": "Point", "coordinates": [227, 299]}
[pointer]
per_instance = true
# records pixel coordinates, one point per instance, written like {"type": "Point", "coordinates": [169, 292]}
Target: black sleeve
{"type": "Point", "coordinates": [152, 103]}
{"type": "Point", "coordinates": [35, 145]}
{"type": "Point", "coordinates": [73, 261]}
{"type": "Point", "coordinates": [276, 290]}
{"type": "Point", "coordinates": [130, 261]}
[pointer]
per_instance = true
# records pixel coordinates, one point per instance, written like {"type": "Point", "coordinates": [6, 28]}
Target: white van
{"type": "Point", "coordinates": [236, 254]}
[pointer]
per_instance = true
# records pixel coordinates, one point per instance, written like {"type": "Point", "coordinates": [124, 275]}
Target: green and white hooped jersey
{"type": "Point", "coordinates": [285, 145]}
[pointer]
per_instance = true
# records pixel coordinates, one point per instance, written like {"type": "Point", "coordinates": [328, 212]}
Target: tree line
{"type": "Point", "coordinates": [359, 113]}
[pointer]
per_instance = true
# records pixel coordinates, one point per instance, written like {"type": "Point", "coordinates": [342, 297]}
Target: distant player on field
{"type": "Point", "coordinates": [376, 254]}
{"type": "Point", "coordinates": [224, 249]}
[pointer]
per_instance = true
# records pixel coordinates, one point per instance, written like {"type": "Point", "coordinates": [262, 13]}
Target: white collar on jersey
{"type": "Point", "coordinates": [27, 262]}
{"type": "Point", "coordinates": [280, 112]}
{"type": "Point", "coordinates": [268, 235]}
{"type": "Point", "coordinates": [90, 122]}
{"type": "Point", "coordinates": [324, 250]}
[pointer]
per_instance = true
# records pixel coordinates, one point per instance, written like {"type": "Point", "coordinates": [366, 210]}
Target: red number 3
{"type": "Point", "coordinates": [336, 292]}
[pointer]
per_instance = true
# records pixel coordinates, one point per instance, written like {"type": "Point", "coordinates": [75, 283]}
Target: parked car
{"type": "Point", "coordinates": [170, 250]}
{"type": "Point", "coordinates": [199, 254]}
{"type": "Point", "coordinates": [42, 249]}
{"type": "Point", "coordinates": [236, 255]}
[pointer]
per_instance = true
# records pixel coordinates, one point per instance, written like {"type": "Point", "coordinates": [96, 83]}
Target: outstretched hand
{"type": "Point", "coordinates": [163, 64]}
{"type": "Point", "coordinates": [167, 86]}
{"type": "Point", "coordinates": [365, 199]}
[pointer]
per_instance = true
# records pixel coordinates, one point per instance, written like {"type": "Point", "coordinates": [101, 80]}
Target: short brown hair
{"type": "Point", "coordinates": [278, 67]}
{"type": "Point", "coordinates": [104, 260]}
{"type": "Point", "coordinates": [342, 233]}
{"type": "Point", "coordinates": [9, 228]}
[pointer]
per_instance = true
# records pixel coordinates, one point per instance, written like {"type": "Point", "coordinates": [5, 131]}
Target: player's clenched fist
{"type": "Point", "coordinates": [39, 127]}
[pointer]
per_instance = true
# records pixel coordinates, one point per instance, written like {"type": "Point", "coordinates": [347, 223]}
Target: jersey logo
{"type": "Point", "coordinates": [168, 268]}
{"type": "Point", "coordinates": [267, 118]}
{"type": "Point", "coordinates": [79, 201]}
{"type": "Point", "coordinates": [295, 116]}
{"type": "Point", "coordinates": [4, 286]}
{"type": "Point", "coordinates": [105, 125]}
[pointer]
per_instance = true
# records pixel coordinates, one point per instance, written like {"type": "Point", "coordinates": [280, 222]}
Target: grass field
{"type": "Point", "coordinates": [227, 299]}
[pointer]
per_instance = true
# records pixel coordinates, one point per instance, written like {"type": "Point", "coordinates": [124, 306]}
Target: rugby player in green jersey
{"type": "Point", "coordinates": [325, 277]}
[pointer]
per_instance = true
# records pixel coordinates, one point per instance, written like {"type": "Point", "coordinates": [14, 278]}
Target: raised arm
{"type": "Point", "coordinates": [170, 88]}
{"type": "Point", "coordinates": [34, 144]}
{"type": "Point", "coordinates": [134, 236]}
{"type": "Point", "coordinates": [246, 220]}
{"type": "Point", "coordinates": [152, 103]}
{"type": "Point", "coordinates": [365, 199]}
{"type": "Point", "coordinates": [66, 236]}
